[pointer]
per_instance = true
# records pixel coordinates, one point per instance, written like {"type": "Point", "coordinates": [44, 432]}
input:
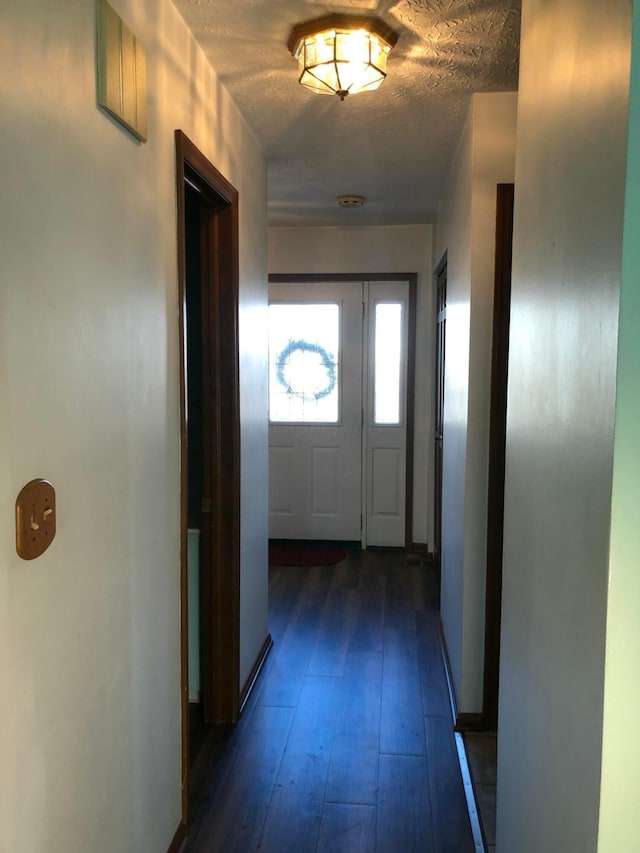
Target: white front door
{"type": "Point", "coordinates": [315, 411]}
{"type": "Point", "coordinates": [338, 411]}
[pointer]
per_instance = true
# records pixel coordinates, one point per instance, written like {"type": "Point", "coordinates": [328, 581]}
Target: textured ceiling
{"type": "Point", "coordinates": [392, 146]}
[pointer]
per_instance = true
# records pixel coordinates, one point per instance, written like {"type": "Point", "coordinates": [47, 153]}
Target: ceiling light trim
{"type": "Point", "coordinates": [350, 201]}
{"type": "Point", "coordinates": [341, 22]}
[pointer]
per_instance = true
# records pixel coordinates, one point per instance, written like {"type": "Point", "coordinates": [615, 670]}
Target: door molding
{"type": "Point", "coordinates": [440, 289]}
{"type": "Point", "coordinates": [412, 278]}
{"type": "Point", "coordinates": [221, 593]}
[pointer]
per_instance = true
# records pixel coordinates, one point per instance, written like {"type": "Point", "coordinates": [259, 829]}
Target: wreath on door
{"type": "Point", "coordinates": [327, 364]}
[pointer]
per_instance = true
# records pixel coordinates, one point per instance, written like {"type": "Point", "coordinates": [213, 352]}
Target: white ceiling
{"type": "Point", "coordinates": [392, 146]}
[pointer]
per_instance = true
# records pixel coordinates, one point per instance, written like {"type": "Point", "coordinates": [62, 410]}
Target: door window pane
{"type": "Point", "coordinates": [304, 343]}
{"type": "Point", "coordinates": [388, 361]}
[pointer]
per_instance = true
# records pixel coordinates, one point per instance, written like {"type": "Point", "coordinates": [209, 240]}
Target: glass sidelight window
{"type": "Point", "coordinates": [387, 363]}
{"type": "Point", "coordinates": [304, 345]}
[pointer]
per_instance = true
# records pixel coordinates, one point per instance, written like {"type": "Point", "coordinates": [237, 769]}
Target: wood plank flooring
{"type": "Point", "coordinates": [347, 743]}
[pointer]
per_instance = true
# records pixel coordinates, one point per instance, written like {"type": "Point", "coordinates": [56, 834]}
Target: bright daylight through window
{"type": "Point", "coordinates": [388, 362]}
{"type": "Point", "coordinates": [304, 342]}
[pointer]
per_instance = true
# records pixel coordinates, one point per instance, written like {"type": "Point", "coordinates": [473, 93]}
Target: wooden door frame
{"type": "Point", "coordinates": [438, 401]}
{"type": "Point", "coordinates": [412, 278]}
{"type": "Point", "coordinates": [221, 597]}
{"type": "Point", "coordinates": [497, 446]}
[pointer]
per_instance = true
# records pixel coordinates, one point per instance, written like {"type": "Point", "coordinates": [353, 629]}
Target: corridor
{"type": "Point", "coordinates": [346, 744]}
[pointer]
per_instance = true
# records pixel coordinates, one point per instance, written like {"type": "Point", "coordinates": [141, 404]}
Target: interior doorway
{"type": "Point", "coordinates": [207, 220]}
{"type": "Point", "coordinates": [497, 448]}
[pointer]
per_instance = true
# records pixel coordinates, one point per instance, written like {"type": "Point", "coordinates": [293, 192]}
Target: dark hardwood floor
{"type": "Point", "coordinates": [347, 741]}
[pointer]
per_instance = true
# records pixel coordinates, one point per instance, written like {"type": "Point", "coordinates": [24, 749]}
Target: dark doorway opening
{"type": "Point", "coordinates": [207, 216]}
{"type": "Point", "coordinates": [497, 447]}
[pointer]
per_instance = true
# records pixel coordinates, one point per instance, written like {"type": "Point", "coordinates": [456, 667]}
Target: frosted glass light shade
{"type": "Point", "coordinates": [341, 54]}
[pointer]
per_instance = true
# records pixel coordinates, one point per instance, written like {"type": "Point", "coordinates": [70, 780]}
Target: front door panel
{"type": "Point", "coordinates": [315, 384]}
{"type": "Point", "coordinates": [386, 418]}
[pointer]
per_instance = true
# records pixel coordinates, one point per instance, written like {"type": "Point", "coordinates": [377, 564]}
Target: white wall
{"type": "Point", "coordinates": [620, 780]}
{"type": "Point", "coordinates": [466, 231]}
{"type": "Point", "coordinates": [376, 249]}
{"type": "Point", "coordinates": [89, 633]}
{"type": "Point", "coordinates": [570, 176]}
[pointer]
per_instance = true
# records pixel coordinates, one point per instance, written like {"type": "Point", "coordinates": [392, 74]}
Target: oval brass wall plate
{"type": "Point", "coordinates": [35, 519]}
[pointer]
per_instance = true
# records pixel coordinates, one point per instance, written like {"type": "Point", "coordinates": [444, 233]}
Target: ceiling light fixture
{"type": "Point", "coordinates": [341, 54]}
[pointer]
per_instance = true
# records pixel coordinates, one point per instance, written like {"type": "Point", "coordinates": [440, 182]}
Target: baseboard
{"type": "Point", "coordinates": [447, 671]}
{"type": "Point", "coordinates": [255, 672]}
{"type": "Point", "coordinates": [462, 721]}
{"type": "Point", "coordinates": [179, 838]}
{"type": "Point", "coordinates": [469, 793]}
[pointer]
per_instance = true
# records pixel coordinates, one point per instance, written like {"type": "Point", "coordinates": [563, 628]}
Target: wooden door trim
{"type": "Point", "coordinates": [412, 278]}
{"type": "Point", "coordinates": [222, 609]}
{"type": "Point", "coordinates": [497, 444]}
{"type": "Point", "coordinates": [178, 839]}
{"type": "Point", "coordinates": [411, 406]}
{"type": "Point", "coordinates": [438, 405]}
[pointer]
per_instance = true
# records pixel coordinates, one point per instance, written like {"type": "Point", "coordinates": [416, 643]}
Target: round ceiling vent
{"type": "Point", "coordinates": [350, 200]}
